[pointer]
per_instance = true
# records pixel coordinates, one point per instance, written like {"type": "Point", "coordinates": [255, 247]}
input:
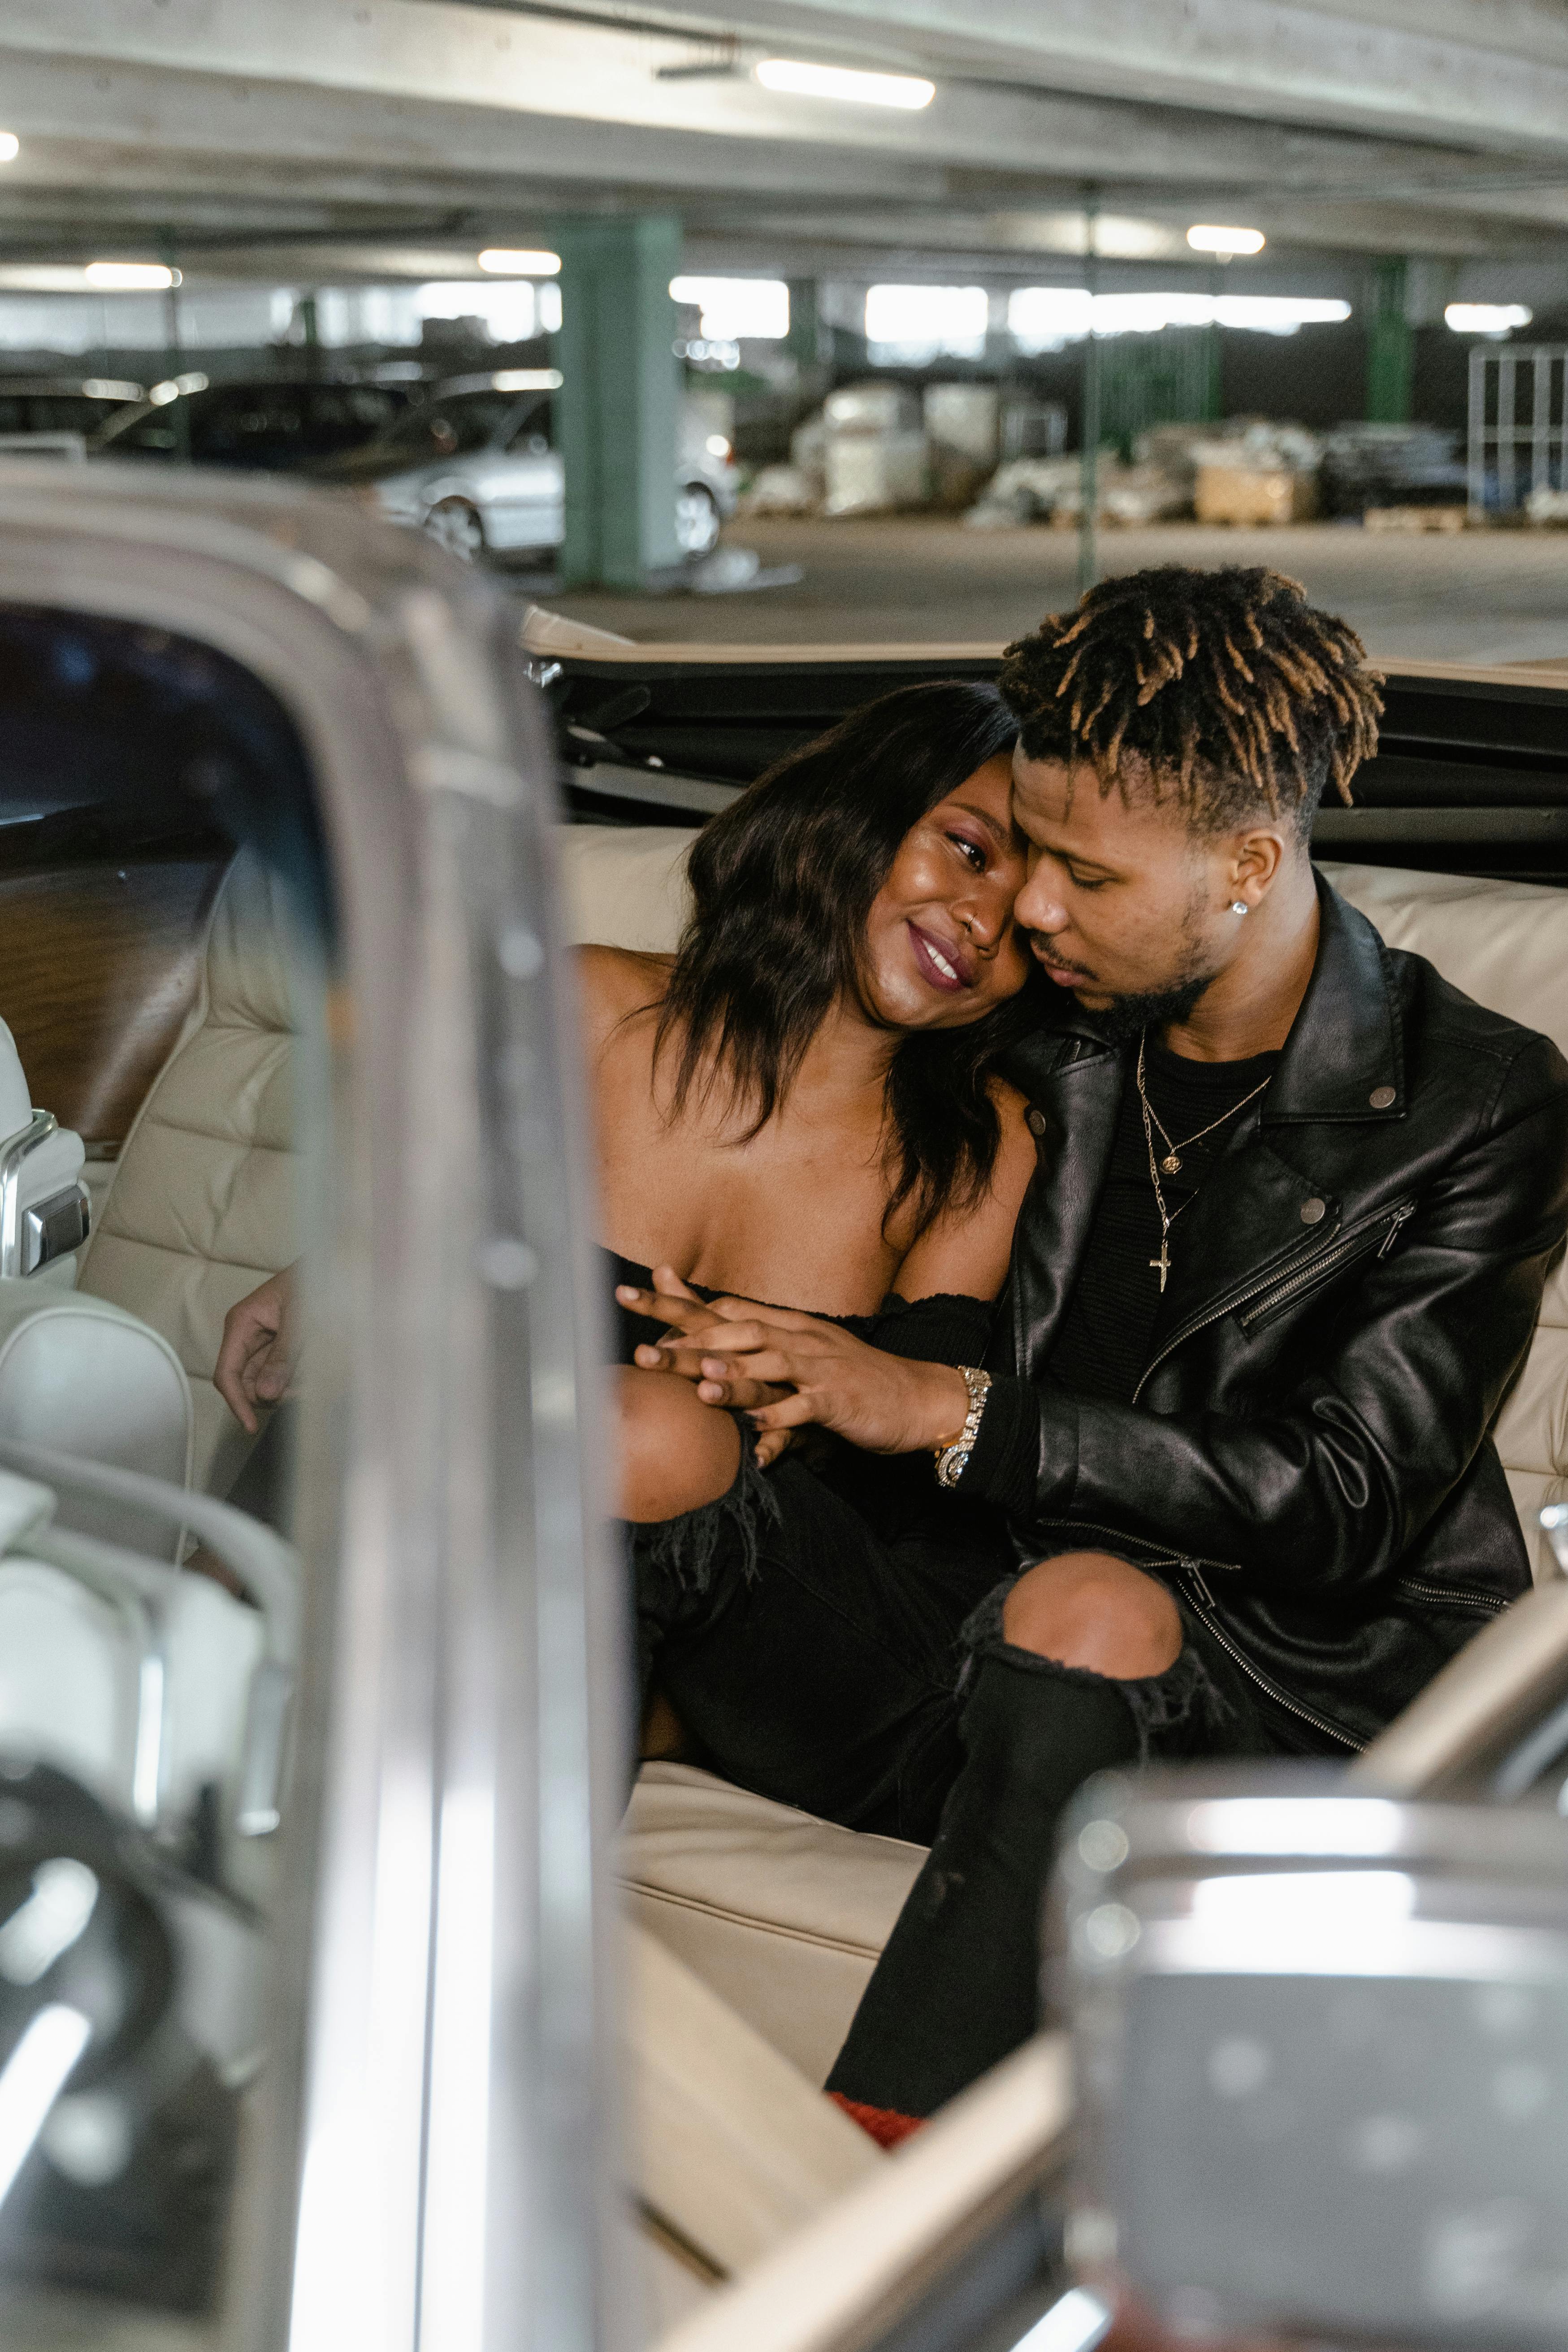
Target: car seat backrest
{"type": "Point", "coordinates": [1506, 945]}
{"type": "Point", "coordinates": [1503, 943]}
{"type": "Point", "coordinates": [202, 1205]}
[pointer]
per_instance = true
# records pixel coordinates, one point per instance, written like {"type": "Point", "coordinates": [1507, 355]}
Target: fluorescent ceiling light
{"type": "Point", "coordinates": [1206, 238]}
{"type": "Point", "coordinates": [1043, 318]}
{"type": "Point", "coordinates": [1487, 318]}
{"type": "Point", "coordinates": [129, 277]}
{"type": "Point", "coordinates": [800, 81]}
{"type": "Point", "coordinates": [951, 320]}
{"type": "Point", "coordinates": [757, 307]}
{"type": "Point", "coordinates": [502, 261]}
{"type": "Point", "coordinates": [10, 146]}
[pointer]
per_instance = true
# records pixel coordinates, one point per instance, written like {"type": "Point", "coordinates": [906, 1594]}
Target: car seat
{"type": "Point", "coordinates": [202, 1204]}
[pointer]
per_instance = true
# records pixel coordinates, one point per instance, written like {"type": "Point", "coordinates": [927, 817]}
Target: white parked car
{"type": "Point", "coordinates": [475, 465]}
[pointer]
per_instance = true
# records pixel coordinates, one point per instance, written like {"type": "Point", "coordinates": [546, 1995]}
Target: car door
{"type": "Point", "coordinates": [338, 1998]}
{"type": "Point", "coordinates": [525, 482]}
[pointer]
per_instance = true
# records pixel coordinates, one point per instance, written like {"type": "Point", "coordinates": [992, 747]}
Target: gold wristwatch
{"type": "Point", "coordinates": [953, 1461]}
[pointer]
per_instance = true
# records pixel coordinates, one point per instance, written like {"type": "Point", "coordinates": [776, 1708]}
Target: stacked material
{"type": "Point", "coordinates": [1050, 489]}
{"type": "Point", "coordinates": [874, 450]}
{"type": "Point", "coordinates": [962, 423]}
{"type": "Point", "coordinates": [1367, 467]}
{"type": "Point", "coordinates": [1262, 473]}
{"type": "Point", "coordinates": [1417, 518]}
{"type": "Point", "coordinates": [1547, 510]}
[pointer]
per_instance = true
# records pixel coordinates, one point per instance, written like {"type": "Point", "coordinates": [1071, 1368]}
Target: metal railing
{"type": "Point", "coordinates": [1517, 422]}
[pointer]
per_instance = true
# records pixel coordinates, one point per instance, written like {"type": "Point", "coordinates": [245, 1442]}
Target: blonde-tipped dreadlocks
{"type": "Point", "coordinates": [1231, 693]}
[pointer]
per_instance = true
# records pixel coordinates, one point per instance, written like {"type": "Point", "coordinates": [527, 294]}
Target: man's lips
{"type": "Point", "coordinates": [1065, 974]}
{"type": "Point", "coordinates": [943, 965]}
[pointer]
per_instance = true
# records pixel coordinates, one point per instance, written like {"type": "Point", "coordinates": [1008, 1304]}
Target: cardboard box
{"type": "Point", "coordinates": [1248, 495]}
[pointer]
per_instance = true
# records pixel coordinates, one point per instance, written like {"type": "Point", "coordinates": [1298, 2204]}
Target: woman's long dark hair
{"type": "Point", "coordinates": [783, 882]}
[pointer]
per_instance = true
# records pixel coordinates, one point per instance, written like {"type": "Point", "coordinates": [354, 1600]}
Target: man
{"type": "Point", "coordinates": [1296, 1204]}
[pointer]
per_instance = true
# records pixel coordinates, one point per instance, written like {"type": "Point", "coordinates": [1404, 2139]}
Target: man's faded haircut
{"type": "Point", "coordinates": [1225, 692]}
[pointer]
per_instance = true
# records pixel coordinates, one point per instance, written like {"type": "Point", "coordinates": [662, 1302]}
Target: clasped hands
{"type": "Point", "coordinates": [786, 1371]}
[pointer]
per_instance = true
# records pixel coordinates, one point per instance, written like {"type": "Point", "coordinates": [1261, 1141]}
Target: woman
{"type": "Point", "coordinates": [802, 1103]}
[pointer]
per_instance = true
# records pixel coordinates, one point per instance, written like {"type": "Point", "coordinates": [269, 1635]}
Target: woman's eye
{"type": "Point", "coordinates": [970, 850]}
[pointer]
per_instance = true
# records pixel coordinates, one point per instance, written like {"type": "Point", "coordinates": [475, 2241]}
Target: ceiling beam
{"type": "Point", "coordinates": [1442, 71]}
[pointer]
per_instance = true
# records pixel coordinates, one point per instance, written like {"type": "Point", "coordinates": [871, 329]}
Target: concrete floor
{"type": "Point", "coordinates": [1495, 596]}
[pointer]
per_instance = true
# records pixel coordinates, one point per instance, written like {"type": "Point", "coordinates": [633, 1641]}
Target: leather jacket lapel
{"type": "Point", "coordinates": [1254, 1215]}
{"type": "Point", "coordinates": [1080, 1100]}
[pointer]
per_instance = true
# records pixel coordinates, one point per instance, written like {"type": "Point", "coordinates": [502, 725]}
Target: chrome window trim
{"type": "Point", "coordinates": [13, 1157]}
{"type": "Point", "coordinates": [460, 1633]}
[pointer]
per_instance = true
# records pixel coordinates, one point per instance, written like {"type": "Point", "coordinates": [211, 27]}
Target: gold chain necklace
{"type": "Point", "coordinates": [1170, 1163]}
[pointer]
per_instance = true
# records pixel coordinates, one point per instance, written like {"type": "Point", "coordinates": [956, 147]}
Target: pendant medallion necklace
{"type": "Point", "coordinates": [1169, 1163]}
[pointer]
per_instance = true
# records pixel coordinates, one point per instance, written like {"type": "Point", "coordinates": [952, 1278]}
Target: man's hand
{"type": "Point", "coordinates": [667, 1285]}
{"type": "Point", "coordinates": [256, 1362]}
{"type": "Point", "coordinates": [742, 1355]}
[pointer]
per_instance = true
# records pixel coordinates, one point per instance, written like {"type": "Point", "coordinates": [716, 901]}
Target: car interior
{"type": "Point", "coordinates": [164, 986]}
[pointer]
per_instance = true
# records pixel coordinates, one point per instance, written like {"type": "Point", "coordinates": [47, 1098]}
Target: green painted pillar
{"type": "Point", "coordinates": [804, 342]}
{"type": "Point", "coordinates": [1390, 347]}
{"type": "Point", "coordinates": [620, 397]}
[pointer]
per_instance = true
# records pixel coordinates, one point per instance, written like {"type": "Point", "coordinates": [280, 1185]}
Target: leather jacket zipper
{"type": "Point", "coordinates": [1189, 1573]}
{"type": "Point", "coordinates": [1357, 1242]}
{"type": "Point", "coordinates": [1270, 1290]}
{"type": "Point", "coordinates": [1458, 1596]}
{"type": "Point", "coordinates": [1202, 1600]}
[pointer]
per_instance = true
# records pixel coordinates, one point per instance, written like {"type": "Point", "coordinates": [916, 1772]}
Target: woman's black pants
{"type": "Point", "coordinates": [832, 1638]}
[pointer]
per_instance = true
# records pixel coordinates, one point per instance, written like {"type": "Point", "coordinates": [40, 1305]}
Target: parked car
{"type": "Point", "coordinates": [476, 466]}
{"type": "Point", "coordinates": [321, 2021]}
{"type": "Point", "coordinates": [62, 403]}
{"type": "Point", "coordinates": [266, 424]}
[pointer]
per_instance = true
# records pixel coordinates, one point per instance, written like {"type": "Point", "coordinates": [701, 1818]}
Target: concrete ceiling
{"type": "Point", "coordinates": [248, 135]}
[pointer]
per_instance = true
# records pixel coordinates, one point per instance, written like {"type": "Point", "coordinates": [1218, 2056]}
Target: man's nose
{"type": "Point", "coordinates": [1038, 906]}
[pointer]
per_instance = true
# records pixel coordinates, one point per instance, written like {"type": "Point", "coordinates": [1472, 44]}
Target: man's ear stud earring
{"type": "Point", "coordinates": [1239, 907]}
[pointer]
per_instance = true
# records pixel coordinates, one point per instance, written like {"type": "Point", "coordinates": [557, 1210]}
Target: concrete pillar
{"type": "Point", "coordinates": [620, 396]}
{"type": "Point", "coordinates": [1390, 347]}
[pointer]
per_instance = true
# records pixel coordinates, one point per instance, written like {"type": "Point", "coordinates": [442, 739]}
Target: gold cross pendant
{"type": "Point", "coordinates": [1163, 1264]}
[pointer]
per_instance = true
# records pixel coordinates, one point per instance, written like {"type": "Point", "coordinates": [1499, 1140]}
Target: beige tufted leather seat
{"type": "Point", "coordinates": [784, 1915]}
{"type": "Point", "coordinates": [202, 1203]}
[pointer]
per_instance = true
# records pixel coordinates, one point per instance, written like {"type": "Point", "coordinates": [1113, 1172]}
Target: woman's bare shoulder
{"type": "Point", "coordinates": [615, 983]}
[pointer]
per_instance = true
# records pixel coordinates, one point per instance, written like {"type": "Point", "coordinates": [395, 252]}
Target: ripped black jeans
{"type": "Point", "coordinates": [835, 1642]}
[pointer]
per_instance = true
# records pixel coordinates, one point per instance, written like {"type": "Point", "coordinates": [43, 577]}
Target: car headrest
{"type": "Point", "coordinates": [15, 1108]}
{"type": "Point", "coordinates": [249, 952]}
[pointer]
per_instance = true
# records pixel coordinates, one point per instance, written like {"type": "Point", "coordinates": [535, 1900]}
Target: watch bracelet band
{"type": "Point", "coordinates": [953, 1461]}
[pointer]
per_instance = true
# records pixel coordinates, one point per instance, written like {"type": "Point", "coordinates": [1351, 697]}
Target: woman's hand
{"type": "Point", "coordinates": [787, 1369]}
{"type": "Point", "coordinates": [667, 1287]}
{"type": "Point", "coordinates": [260, 1347]}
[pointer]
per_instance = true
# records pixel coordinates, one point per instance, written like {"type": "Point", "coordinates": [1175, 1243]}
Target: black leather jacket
{"type": "Point", "coordinates": [1308, 1458]}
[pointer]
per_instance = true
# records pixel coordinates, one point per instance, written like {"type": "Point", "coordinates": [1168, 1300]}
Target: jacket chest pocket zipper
{"type": "Point", "coordinates": [1374, 1239]}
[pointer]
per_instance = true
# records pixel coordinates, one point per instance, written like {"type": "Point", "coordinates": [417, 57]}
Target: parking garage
{"type": "Point", "coordinates": [850, 319]}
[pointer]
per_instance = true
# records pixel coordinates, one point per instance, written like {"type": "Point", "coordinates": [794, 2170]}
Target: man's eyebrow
{"type": "Point", "coordinates": [1076, 857]}
{"type": "Point", "coordinates": [1001, 833]}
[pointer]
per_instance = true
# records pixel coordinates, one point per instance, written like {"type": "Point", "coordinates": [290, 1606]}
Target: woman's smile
{"type": "Point", "coordinates": [945, 965]}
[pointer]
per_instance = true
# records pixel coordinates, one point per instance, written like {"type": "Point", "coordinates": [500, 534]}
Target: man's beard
{"type": "Point", "coordinates": [1126, 1017]}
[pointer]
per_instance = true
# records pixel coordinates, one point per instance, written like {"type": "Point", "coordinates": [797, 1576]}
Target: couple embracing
{"type": "Point", "coordinates": [1088, 1266]}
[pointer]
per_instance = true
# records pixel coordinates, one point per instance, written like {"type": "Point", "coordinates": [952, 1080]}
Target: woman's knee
{"type": "Point", "coordinates": [674, 1454]}
{"type": "Point", "coordinates": [1090, 1609]}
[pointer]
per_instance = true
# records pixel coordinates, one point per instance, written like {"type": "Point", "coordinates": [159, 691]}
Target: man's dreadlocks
{"type": "Point", "coordinates": [1229, 692]}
